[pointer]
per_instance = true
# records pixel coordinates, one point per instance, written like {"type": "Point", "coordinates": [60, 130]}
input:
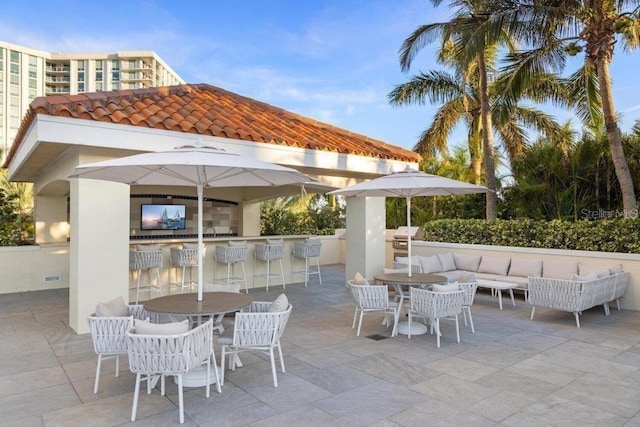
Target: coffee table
{"type": "Point", "coordinates": [499, 287]}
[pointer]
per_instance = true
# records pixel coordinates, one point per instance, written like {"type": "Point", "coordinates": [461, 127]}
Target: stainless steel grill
{"type": "Point", "coordinates": [400, 238]}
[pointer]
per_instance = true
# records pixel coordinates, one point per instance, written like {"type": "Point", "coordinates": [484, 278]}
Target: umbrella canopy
{"type": "Point", "coordinates": [197, 165]}
{"type": "Point", "coordinates": [410, 183]}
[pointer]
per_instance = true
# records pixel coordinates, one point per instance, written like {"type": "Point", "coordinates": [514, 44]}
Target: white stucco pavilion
{"type": "Point", "coordinates": [93, 216]}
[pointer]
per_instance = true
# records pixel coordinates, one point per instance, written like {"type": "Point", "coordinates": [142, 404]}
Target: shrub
{"type": "Point", "coordinates": [615, 235]}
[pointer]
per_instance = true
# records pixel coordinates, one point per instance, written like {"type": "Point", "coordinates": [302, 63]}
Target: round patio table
{"type": "Point", "coordinates": [212, 304]}
{"type": "Point", "coordinates": [398, 280]}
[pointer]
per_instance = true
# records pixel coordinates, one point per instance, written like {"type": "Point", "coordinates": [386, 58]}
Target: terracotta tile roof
{"type": "Point", "coordinates": [209, 110]}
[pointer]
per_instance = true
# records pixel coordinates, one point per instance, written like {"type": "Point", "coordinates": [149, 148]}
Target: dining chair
{"type": "Point", "coordinates": [109, 336]}
{"type": "Point", "coordinates": [373, 299]}
{"type": "Point", "coordinates": [434, 305]}
{"type": "Point", "coordinates": [174, 355]}
{"type": "Point", "coordinates": [469, 289]}
{"type": "Point", "coordinates": [256, 329]}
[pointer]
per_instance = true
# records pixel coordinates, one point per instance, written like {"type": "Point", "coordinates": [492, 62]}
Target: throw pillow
{"type": "Point", "coordinates": [147, 247]}
{"type": "Point", "coordinates": [144, 327]}
{"type": "Point", "coordinates": [447, 261]}
{"type": "Point", "coordinates": [279, 304]}
{"type": "Point", "coordinates": [358, 279]}
{"type": "Point", "coordinates": [586, 277]}
{"type": "Point", "coordinates": [451, 287]}
{"type": "Point", "coordinates": [238, 243]}
{"type": "Point", "coordinates": [113, 308]}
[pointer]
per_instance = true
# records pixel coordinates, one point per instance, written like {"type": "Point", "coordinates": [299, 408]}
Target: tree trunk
{"type": "Point", "coordinates": [487, 141]}
{"type": "Point", "coordinates": [629, 203]}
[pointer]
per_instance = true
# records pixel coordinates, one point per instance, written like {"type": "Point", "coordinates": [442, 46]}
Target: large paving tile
{"type": "Point", "coordinates": [369, 403]}
{"type": "Point", "coordinates": [24, 382]}
{"type": "Point", "coordinates": [546, 371]}
{"type": "Point", "coordinates": [307, 415]}
{"type": "Point", "coordinates": [397, 371]}
{"type": "Point", "coordinates": [454, 391]}
{"type": "Point", "coordinates": [291, 392]}
{"type": "Point", "coordinates": [338, 379]}
{"type": "Point", "coordinates": [434, 412]}
{"type": "Point", "coordinates": [37, 402]}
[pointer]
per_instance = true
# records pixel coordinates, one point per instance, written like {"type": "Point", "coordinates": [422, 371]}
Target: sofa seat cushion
{"type": "Point", "coordinates": [467, 262]}
{"type": "Point", "coordinates": [453, 274]}
{"type": "Point", "coordinates": [559, 269]}
{"type": "Point", "coordinates": [430, 264]}
{"type": "Point", "coordinates": [523, 267]}
{"type": "Point", "coordinates": [520, 281]}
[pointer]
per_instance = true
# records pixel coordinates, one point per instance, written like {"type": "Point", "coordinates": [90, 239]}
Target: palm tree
{"type": "Point", "coordinates": [562, 28]}
{"type": "Point", "coordinates": [465, 31]}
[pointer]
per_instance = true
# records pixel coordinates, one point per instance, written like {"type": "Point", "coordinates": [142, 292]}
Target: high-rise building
{"type": "Point", "coordinates": [27, 73]}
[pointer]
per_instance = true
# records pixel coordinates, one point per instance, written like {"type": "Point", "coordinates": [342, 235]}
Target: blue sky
{"type": "Point", "coordinates": [331, 60]}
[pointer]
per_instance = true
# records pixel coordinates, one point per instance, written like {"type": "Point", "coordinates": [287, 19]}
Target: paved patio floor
{"type": "Point", "coordinates": [513, 371]}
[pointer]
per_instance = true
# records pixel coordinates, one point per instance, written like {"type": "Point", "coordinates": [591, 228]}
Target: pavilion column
{"type": "Point", "coordinates": [248, 219]}
{"type": "Point", "coordinates": [365, 236]}
{"type": "Point", "coordinates": [52, 224]}
{"type": "Point", "coordinates": [99, 247]}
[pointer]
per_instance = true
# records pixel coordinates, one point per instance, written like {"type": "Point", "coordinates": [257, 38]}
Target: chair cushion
{"type": "Point", "coordinates": [144, 327]}
{"type": "Point", "coordinates": [559, 269]}
{"type": "Point", "coordinates": [358, 279]}
{"type": "Point", "coordinates": [450, 287]}
{"type": "Point", "coordinates": [238, 243]}
{"type": "Point", "coordinates": [447, 261]}
{"type": "Point", "coordinates": [275, 241]}
{"type": "Point", "coordinates": [467, 262]}
{"type": "Point", "coordinates": [279, 304]}
{"type": "Point", "coordinates": [147, 247]}
{"type": "Point", "coordinates": [586, 277]}
{"type": "Point", "coordinates": [525, 267]}
{"type": "Point", "coordinates": [494, 265]}
{"type": "Point", "coordinates": [187, 245]}
{"type": "Point", "coordinates": [113, 308]}
{"type": "Point", "coordinates": [430, 264]}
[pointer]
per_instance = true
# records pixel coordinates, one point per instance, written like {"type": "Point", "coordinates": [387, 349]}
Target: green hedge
{"type": "Point", "coordinates": [619, 235]}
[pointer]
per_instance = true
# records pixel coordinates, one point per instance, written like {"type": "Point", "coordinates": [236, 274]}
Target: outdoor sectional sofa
{"type": "Point", "coordinates": [562, 285]}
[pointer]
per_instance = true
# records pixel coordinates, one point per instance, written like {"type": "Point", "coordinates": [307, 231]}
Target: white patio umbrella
{"type": "Point", "coordinates": [410, 183]}
{"type": "Point", "coordinates": [197, 165]}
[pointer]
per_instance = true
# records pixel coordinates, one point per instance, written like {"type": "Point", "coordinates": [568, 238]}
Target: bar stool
{"type": "Point", "coordinates": [185, 257]}
{"type": "Point", "coordinates": [146, 258]}
{"type": "Point", "coordinates": [310, 248]}
{"type": "Point", "coordinates": [273, 250]}
{"type": "Point", "coordinates": [235, 253]}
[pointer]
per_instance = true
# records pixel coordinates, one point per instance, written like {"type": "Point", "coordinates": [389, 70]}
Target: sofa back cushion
{"type": "Point", "coordinates": [404, 260]}
{"type": "Point", "coordinates": [559, 269]}
{"type": "Point", "coordinates": [467, 262]}
{"type": "Point", "coordinates": [494, 265]}
{"type": "Point", "coordinates": [447, 261]}
{"type": "Point", "coordinates": [430, 264]}
{"type": "Point", "coordinates": [525, 267]}
{"type": "Point", "coordinates": [585, 269]}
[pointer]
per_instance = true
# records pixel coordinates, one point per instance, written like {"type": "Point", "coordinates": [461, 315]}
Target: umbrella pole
{"type": "Point", "coordinates": [409, 234]}
{"type": "Point", "coordinates": [200, 279]}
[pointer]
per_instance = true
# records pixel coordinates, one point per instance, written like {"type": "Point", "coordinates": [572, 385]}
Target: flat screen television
{"type": "Point", "coordinates": [162, 217]}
